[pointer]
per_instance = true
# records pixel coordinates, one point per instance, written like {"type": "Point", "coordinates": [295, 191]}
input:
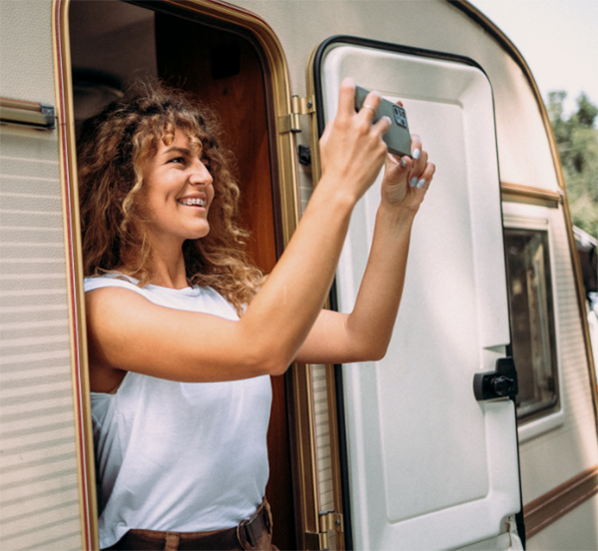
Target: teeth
{"type": "Point", "coordinates": [195, 201]}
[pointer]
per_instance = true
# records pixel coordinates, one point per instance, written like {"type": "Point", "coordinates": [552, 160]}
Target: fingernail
{"type": "Point", "coordinates": [403, 162]}
{"type": "Point", "coordinates": [388, 119]}
{"type": "Point", "coordinates": [421, 183]}
{"type": "Point", "coordinates": [413, 182]}
{"type": "Point", "coordinates": [416, 153]}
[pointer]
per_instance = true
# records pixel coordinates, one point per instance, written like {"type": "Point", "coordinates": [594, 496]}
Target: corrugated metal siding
{"type": "Point", "coordinates": [558, 455]}
{"type": "Point", "coordinates": [39, 499]}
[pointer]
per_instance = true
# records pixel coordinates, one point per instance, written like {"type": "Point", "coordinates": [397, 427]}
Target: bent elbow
{"type": "Point", "coordinates": [379, 354]}
{"type": "Point", "coordinates": [374, 353]}
{"type": "Point", "coordinates": [272, 367]}
{"type": "Point", "coordinates": [279, 368]}
{"type": "Point", "coordinates": [382, 354]}
{"type": "Point", "coordinates": [267, 363]}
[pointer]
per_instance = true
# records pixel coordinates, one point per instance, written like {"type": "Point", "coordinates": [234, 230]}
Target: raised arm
{"type": "Point", "coordinates": [128, 333]}
{"type": "Point", "coordinates": [365, 333]}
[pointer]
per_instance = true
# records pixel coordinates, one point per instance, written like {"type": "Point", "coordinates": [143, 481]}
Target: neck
{"type": "Point", "coordinates": [172, 276]}
{"type": "Point", "coordinates": [168, 265]}
{"type": "Point", "coordinates": [168, 270]}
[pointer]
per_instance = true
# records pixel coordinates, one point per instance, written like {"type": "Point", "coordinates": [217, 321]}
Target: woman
{"type": "Point", "coordinates": [172, 302]}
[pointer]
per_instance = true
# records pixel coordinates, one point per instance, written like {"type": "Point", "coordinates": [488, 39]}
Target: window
{"type": "Point", "coordinates": [532, 320]}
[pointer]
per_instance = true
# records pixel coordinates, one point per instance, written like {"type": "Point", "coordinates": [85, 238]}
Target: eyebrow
{"type": "Point", "coordinates": [176, 149]}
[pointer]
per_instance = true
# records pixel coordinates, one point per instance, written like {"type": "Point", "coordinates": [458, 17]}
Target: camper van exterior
{"type": "Point", "coordinates": [430, 448]}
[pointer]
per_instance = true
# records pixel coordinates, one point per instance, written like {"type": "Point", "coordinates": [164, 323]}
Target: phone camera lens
{"type": "Point", "coordinates": [400, 116]}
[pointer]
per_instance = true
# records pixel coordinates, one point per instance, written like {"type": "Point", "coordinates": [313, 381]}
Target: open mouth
{"type": "Point", "coordinates": [195, 202]}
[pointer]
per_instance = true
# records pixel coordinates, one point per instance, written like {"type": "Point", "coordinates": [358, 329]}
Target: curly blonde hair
{"type": "Point", "coordinates": [111, 147]}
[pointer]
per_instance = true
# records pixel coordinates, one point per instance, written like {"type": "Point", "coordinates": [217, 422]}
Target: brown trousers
{"type": "Point", "coordinates": [254, 533]}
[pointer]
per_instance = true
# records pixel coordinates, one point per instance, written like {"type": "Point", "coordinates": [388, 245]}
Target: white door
{"type": "Point", "coordinates": [429, 466]}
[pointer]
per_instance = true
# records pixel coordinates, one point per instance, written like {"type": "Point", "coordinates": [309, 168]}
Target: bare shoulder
{"type": "Point", "coordinates": [105, 300]}
{"type": "Point", "coordinates": [106, 315]}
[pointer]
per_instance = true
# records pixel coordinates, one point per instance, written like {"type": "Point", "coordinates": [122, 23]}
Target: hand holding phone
{"type": "Point", "coordinates": [398, 138]}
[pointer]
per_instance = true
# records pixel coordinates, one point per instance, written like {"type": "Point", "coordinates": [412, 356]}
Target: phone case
{"type": "Point", "coordinates": [398, 137]}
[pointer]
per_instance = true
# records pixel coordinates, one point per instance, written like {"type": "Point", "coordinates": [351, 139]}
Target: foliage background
{"type": "Point", "coordinates": [577, 142]}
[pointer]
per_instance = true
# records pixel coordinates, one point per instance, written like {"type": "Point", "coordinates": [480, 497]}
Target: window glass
{"type": "Point", "coordinates": [532, 319]}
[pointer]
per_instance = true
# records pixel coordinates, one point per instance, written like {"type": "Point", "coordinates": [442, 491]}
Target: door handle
{"type": "Point", "coordinates": [500, 383]}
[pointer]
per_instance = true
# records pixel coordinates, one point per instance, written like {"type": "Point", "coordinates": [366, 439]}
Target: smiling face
{"type": "Point", "coordinates": [178, 192]}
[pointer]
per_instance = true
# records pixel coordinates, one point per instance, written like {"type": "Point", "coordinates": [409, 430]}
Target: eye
{"type": "Point", "coordinates": [177, 160]}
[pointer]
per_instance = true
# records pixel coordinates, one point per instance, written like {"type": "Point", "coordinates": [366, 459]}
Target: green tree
{"type": "Point", "coordinates": [577, 142]}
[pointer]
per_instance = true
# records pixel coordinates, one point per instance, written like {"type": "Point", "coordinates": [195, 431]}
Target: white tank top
{"type": "Point", "coordinates": [181, 457]}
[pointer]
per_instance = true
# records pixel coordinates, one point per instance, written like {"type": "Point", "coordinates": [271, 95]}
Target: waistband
{"type": "Point", "coordinates": [246, 535]}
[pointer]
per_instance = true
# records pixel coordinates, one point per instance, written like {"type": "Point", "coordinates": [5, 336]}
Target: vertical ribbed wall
{"type": "Point", "coordinates": [39, 500]}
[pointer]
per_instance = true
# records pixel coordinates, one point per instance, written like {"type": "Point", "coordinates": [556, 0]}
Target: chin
{"type": "Point", "coordinates": [200, 234]}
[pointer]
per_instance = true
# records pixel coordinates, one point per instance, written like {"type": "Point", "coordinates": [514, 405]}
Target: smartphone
{"type": "Point", "coordinates": [398, 137]}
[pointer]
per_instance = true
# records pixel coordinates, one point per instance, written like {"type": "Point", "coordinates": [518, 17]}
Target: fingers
{"type": "Point", "coordinates": [421, 171]}
{"type": "Point", "coordinates": [346, 98]}
{"type": "Point", "coordinates": [407, 179]}
{"type": "Point", "coordinates": [415, 162]}
{"type": "Point", "coordinates": [424, 179]}
{"type": "Point", "coordinates": [416, 146]}
{"type": "Point", "coordinates": [370, 106]}
{"type": "Point", "coordinates": [351, 147]}
{"type": "Point", "coordinates": [346, 103]}
{"type": "Point", "coordinates": [369, 111]}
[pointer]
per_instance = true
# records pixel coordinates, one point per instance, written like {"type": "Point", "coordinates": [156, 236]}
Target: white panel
{"type": "Point", "coordinates": [425, 457]}
{"type": "Point", "coordinates": [39, 495]}
{"type": "Point", "coordinates": [26, 50]}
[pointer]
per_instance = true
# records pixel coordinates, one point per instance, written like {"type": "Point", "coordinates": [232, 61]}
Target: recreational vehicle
{"type": "Point", "coordinates": [478, 430]}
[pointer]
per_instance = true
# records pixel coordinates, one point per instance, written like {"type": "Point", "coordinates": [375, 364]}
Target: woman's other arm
{"type": "Point", "coordinates": [364, 334]}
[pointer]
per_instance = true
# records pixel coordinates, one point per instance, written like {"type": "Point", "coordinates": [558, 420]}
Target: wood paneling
{"type": "Point", "coordinates": [188, 56]}
{"type": "Point", "coordinates": [225, 71]}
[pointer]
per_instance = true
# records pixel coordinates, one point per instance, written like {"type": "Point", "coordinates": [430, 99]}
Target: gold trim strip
{"type": "Point", "coordinates": [74, 276]}
{"type": "Point", "coordinates": [306, 460]}
{"type": "Point", "coordinates": [335, 455]}
{"type": "Point", "coordinates": [330, 370]}
{"type": "Point", "coordinates": [40, 116]}
{"type": "Point", "coordinates": [530, 195]}
{"type": "Point", "coordinates": [546, 509]}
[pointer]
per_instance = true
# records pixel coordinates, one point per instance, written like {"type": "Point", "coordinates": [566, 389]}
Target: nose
{"type": "Point", "coordinates": [200, 175]}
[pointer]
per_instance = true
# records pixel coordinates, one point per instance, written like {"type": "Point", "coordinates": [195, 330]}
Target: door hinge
{"type": "Point", "coordinates": [331, 521]}
{"type": "Point", "coordinates": [328, 521]}
{"type": "Point", "coordinates": [299, 106]}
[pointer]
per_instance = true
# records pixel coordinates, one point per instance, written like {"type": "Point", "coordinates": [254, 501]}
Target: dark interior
{"type": "Point", "coordinates": [113, 42]}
